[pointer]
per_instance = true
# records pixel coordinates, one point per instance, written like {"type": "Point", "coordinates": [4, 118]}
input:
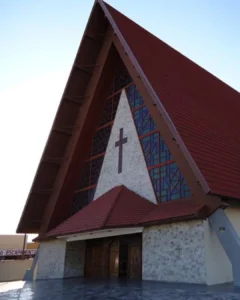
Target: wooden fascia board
{"type": "Point", "coordinates": [102, 233]}
{"type": "Point", "coordinates": [164, 123]}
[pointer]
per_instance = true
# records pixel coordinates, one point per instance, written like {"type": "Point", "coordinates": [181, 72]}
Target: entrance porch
{"type": "Point", "coordinates": [119, 256]}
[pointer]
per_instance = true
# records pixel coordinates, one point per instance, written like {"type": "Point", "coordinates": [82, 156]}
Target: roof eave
{"type": "Point", "coordinates": [21, 224]}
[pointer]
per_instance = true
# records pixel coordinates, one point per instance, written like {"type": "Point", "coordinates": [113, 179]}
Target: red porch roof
{"type": "Point", "coordinates": [121, 207]}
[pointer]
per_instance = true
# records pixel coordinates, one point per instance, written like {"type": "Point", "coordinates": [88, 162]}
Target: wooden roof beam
{"type": "Point", "coordinates": [74, 139]}
{"type": "Point", "coordinates": [41, 192]}
{"type": "Point", "coordinates": [66, 131]}
{"type": "Point", "coordinates": [75, 99]}
{"type": "Point", "coordinates": [53, 160]}
{"type": "Point", "coordinates": [84, 68]}
{"type": "Point", "coordinates": [93, 38]}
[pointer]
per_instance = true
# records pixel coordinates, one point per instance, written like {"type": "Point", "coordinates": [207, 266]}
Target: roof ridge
{"type": "Point", "coordinates": [113, 205]}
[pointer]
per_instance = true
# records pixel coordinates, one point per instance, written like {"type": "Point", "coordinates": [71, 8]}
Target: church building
{"type": "Point", "coordinates": [140, 175]}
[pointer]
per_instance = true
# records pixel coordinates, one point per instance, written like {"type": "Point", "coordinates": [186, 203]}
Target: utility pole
{"type": "Point", "coordinates": [24, 245]}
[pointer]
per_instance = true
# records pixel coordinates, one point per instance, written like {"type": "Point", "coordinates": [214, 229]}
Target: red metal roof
{"type": "Point", "coordinates": [204, 110]}
{"type": "Point", "coordinates": [121, 207]}
{"type": "Point", "coordinates": [174, 210]}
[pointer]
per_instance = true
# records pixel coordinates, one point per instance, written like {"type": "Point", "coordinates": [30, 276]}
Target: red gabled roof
{"type": "Point", "coordinates": [117, 207]}
{"type": "Point", "coordinates": [174, 210]}
{"type": "Point", "coordinates": [204, 110]}
{"type": "Point", "coordinates": [121, 207]}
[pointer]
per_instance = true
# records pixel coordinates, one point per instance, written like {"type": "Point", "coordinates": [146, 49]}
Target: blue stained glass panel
{"type": "Point", "coordinates": [134, 97]}
{"type": "Point", "coordinates": [130, 95]}
{"type": "Point", "coordinates": [167, 180]}
{"type": "Point", "coordinates": [143, 121]}
{"type": "Point", "coordinates": [165, 153]}
{"type": "Point", "coordinates": [81, 199]}
{"type": "Point", "coordinates": [151, 149]}
{"type": "Point", "coordinates": [138, 99]}
{"type": "Point", "coordinates": [169, 183]}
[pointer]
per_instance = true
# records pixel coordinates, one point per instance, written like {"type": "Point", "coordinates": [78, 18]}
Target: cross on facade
{"type": "Point", "coordinates": [120, 144]}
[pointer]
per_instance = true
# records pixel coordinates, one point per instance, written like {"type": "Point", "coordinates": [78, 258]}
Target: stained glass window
{"type": "Point", "coordinates": [165, 154]}
{"type": "Point", "coordinates": [100, 140]}
{"type": "Point", "coordinates": [96, 165]}
{"type": "Point", "coordinates": [84, 179]}
{"type": "Point", "coordinates": [81, 199]}
{"type": "Point", "coordinates": [168, 182]}
{"type": "Point", "coordinates": [150, 145]}
{"type": "Point", "coordinates": [110, 109]}
{"type": "Point", "coordinates": [122, 78]}
{"type": "Point", "coordinates": [134, 97]}
{"type": "Point", "coordinates": [143, 121]}
{"type": "Point", "coordinates": [90, 173]}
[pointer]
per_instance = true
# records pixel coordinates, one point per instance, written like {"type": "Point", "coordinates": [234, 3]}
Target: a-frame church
{"type": "Point", "coordinates": [140, 176]}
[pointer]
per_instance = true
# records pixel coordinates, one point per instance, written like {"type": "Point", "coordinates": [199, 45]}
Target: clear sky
{"type": "Point", "coordinates": [38, 43]}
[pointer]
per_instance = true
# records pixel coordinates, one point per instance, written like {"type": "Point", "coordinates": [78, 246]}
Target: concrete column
{"type": "Point", "coordinates": [51, 259]}
{"type": "Point", "coordinates": [74, 259]}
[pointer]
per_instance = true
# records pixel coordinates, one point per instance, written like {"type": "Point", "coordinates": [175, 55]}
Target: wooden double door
{"type": "Point", "coordinates": [114, 257]}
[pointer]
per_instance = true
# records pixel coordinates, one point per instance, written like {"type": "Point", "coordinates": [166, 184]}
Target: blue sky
{"type": "Point", "coordinates": [39, 40]}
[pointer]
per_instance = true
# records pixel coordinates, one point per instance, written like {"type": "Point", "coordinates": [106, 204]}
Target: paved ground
{"type": "Point", "coordinates": [77, 289]}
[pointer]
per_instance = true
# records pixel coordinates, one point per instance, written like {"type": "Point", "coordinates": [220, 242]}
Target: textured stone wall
{"type": "Point", "coordinates": [74, 259]}
{"type": "Point", "coordinates": [175, 252]}
{"type": "Point", "coordinates": [51, 257]}
{"type": "Point", "coordinates": [134, 174]}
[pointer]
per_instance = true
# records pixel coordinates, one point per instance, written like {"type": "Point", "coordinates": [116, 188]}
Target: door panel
{"type": "Point", "coordinates": [114, 259]}
{"type": "Point", "coordinates": [134, 261]}
{"type": "Point", "coordinates": [97, 261]}
{"type": "Point", "coordinates": [93, 261]}
{"type": "Point", "coordinates": [103, 257]}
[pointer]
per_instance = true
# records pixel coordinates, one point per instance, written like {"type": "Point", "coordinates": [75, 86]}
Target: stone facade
{"type": "Point", "coordinates": [188, 252]}
{"type": "Point", "coordinates": [74, 259]}
{"type": "Point", "coordinates": [51, 257]}
{"type": "Point", "coordinates": [60, 259]}
{"type": "Point", "coordinates": [134, 174]}
{"type": "Point", "coordinates": [175, 253]}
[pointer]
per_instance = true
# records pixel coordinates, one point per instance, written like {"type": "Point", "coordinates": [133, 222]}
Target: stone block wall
{"type": "Point", "coordinates": [60, 259]}
{"type": "Point", "coordinates": [134, 175]}
{"type": "Point", "coordinates": [51, 257]}
{"type": "Point", "coordinates": [74, 259]}
{"type": "Point", "coordinates": [175, 253]}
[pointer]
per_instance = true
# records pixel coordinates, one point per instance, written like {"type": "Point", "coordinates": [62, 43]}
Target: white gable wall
{"type": "Point", "coordinates": [134, 174]}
